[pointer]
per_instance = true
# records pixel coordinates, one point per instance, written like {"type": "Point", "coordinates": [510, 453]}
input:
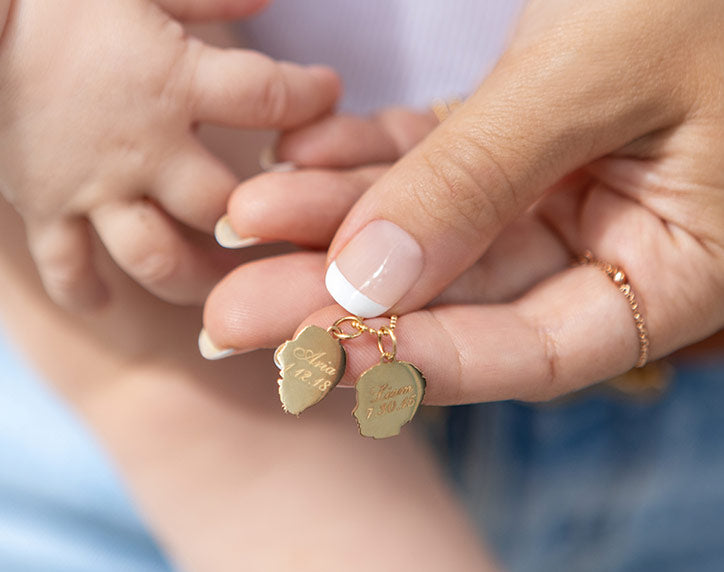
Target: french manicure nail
{"type": "Point", "coordinates": [227, 237]}
{"type": "Point", "coordinates": [375, 269]}
{"type": "Point", "coordinates": [210, 350]}
{"type": "Point", "coordinates": [268, 162]}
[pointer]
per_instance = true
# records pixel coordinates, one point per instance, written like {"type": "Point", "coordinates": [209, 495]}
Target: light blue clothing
{"type": "Point", "coordinates": [62, 506]}
{"type": "Point", "coordinates": [600, 483]}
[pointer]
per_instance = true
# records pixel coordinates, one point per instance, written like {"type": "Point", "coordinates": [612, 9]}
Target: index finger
{"type": "Point", "coordinates": [544, 345]}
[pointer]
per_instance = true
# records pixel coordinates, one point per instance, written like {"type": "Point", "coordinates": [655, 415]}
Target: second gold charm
{"type": "Point", "coordinates": [388, 396]}
{"type": "Point", "coordinates": [389, 393]}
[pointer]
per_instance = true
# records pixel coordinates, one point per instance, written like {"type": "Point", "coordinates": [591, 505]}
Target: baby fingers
{"type": "Point", "coordinates": [148, 245]}
{"type": "Point", "coordinates": [62, 252]}
{"type": "Point", "coordinates": [194, 187]}
{"type": "Point", "coordinates": [245, 89]}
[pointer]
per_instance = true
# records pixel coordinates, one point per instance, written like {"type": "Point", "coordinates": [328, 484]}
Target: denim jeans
{"type": "Point", "coordinates": [599, 482]}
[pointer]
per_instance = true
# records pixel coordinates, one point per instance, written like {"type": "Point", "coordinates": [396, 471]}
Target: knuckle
{"type": "Point", "coordinates": [458, 197]}
{"type": "Point", "coordinates": [63, 278]}
{"type": "Point", "coordinates": [169, 62]}
{"type": "Point", "coordinates": [178, 91]}
{"type": "Point", "coordinates": [549, 385]}
{"type": "Point", "coordinates": [188, 85]}
{"type": "Point", "coordinates": [274, 97]}
{"type": "Point", "coordinates": [154, 267]}
{"type": "Point", "coordinates": [491, 154]}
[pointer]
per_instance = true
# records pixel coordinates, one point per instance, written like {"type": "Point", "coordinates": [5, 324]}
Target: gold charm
{"type": "Point", "coordinates": [389, 393]}
{"type": "Point", "coordinates": [311, 365]}
{"type": "Point", "coordinates": [388, 396]}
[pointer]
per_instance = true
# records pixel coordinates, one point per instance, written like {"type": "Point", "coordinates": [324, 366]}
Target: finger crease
{"type": "Point", "coordinates": [550, 356]}
{"type": "Point", "coordinates": [458, 359]}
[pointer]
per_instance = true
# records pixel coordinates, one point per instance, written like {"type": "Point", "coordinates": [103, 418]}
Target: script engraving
{"type": "Point", "coordinates": [310, 366]}
{"type": "Point", "coordinates": [388, 395]}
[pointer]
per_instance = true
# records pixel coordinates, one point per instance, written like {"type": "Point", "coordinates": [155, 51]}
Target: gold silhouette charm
{"type": "Point", "coordinates": [388, 396]}
{"type": "Point", "coordinates": [389, 393]}
{"type": "Point", "coordinates": [310, 366]}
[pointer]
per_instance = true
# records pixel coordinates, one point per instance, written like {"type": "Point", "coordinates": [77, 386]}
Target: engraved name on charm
{"type": "Point", "coordinates": [388, 396]}
{"type": "Point", "coordinates": [311, 365]}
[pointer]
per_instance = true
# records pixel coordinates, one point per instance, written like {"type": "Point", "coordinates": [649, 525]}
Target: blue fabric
{"type": "Point", "coordinates": [599, 483]}
{"type": "Point", "coordinates": [62, 507]}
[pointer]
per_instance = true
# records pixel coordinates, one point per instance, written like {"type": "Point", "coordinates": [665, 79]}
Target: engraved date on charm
{"type": "Point", "coordinates": [392, 400]}
{"type": "Point", "coordinates": [298, 369]}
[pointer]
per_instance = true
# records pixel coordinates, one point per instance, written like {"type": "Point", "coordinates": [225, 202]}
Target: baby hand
{"type": "Point", "coordinates": [98, 104]}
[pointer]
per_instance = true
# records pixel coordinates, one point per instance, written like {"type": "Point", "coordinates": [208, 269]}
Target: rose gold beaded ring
{"type": "Point", "coordinates": [618, 277]}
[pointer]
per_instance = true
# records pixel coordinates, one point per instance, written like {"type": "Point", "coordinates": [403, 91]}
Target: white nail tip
{"type": "Point", "coordinates": [347, 296]}
{"type": "Point", "coordinates": [227, 237]}
{"type": "Point", "coordinates": [210, 350]}
{"type": "Point", "coordinates": [268, 162]}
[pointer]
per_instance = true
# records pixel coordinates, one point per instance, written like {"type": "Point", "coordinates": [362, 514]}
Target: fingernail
{"type": "Point", "coordinates": [268, 162]}
{"type": "Point", "coordinates": [210, 350]}
{"type": "Point", "coordinates": [227, 237]}
{"type": "Point", "coordinates": [375, 269]}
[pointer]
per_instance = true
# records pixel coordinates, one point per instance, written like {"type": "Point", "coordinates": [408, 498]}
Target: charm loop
{"type": "Point", "coordinates": [387, 356]}
{"type": "Point", "coordinates": [337, 332]}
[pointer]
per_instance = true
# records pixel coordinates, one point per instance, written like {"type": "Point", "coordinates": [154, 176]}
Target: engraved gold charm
{"type": "Point", "coordinates": [389, 393]}
{"type": "Point", "coordinates": [388, 396]}
{"type": "Point", "coordinates": [310, 366]}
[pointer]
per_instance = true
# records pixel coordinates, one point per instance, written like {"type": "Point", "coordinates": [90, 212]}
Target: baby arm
{"type": "Point", "coordinates": [98, 108]}
{"type": "Point", "coordinates": [224, 479]}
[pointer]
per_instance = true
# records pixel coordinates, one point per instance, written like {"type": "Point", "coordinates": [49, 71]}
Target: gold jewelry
{"type": "Point", "coordinates": [388, 394]}
{"type": "Point", "coordinates": [312, 364]}
{"type": "Point", "coordinates": [619, 278]}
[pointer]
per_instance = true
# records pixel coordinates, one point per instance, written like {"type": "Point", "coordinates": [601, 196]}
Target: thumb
{"type": "Point", "coordinates": [549, 108]}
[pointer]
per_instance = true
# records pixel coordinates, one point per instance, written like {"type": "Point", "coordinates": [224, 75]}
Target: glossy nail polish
{"type": "Point", "coordinates": [375, 270]}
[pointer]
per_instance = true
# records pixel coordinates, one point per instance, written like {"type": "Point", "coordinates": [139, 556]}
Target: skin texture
{"type": "Point", "coordinates": [601, 129]}
{"type": "Point", "coordinates": [98, 110]}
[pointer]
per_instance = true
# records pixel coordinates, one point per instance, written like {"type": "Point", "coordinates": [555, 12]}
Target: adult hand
{"type": "Point", "coordinates": [98, 108]}
{"type": "Point", "coordinates": [602, 128]}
